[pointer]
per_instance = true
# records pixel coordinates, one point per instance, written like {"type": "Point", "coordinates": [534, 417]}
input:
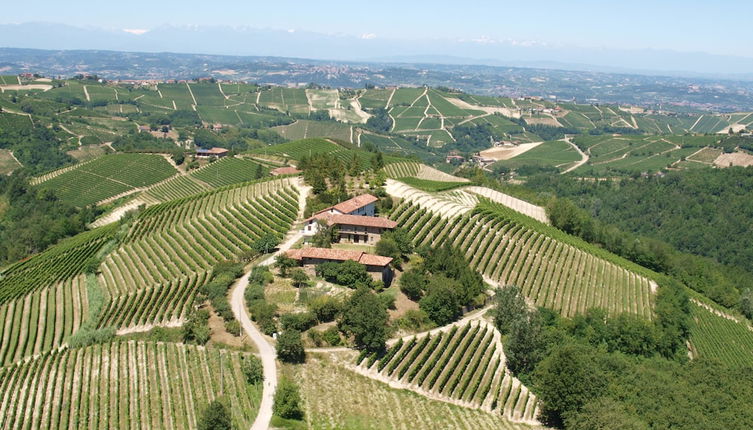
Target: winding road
{"type": "Point", "coordinates": [583, 157]}
{"type": "Point", "coordinates": [266, 349]}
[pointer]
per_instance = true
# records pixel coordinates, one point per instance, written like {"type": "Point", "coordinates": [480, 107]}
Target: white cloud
{"type": "Point", "coordinates": [368, 36]}
{"type": "Point", "coordinates": [136, 31]}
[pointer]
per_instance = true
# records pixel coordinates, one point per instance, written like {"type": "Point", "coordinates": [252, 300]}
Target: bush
{"type": "Point", "coordinates": [290, 347]}
{"type": "Point", "coordinates": [348, 273]}
{"type": "Point", "coordinates": [441, 301]}
{"type": "Point", "coordinates": [86, 336]}
{"type": "Point", "coordinates": [196, 328]}
{"type": "Point", "coordinates": [233, 327]}
{"type": "Point", "coordinates": [332, 336]}
{"type": "Point", "coordinates": [325, 308]}
{"type": "Point", "coordinates": [299, 277]}
{"type": "Point", "coordinates": [298, 321]}
{"type": "Point", "coordinates": [415, 320]}
{"type": "Point", "coordinates": [412, 283]}
{"type": "Point", "coordinates": [215, 417]}
{"type": "Point", "coordinates": [252, 369]}
{"type": "Point", "coordinates": [287, 400]}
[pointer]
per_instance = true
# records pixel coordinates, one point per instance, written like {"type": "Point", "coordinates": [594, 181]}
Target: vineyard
{"type": "Point", "coordinates": [57, 264]}
{"type": "Point", "coordinates": [124, 385]}
{"type": "Point", "coordinates": [159, 265]}
{"type": "Point", "coordinates": [464, 365]}
{"type": "Point", "coordinates": [41, 321]}
{"type": "Point", "coordinates": [553, 269]}
{"type": "Point", "coordinates": [338, 398]}
{"type": "Point", "coordinates": [719, 337]}
{"type": "Point", "coordinates": [108, 176]}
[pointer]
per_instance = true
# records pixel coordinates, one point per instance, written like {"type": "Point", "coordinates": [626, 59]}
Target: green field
{"type": "Point", "coordinates": [108, 176]}
{"type": "Point", "coordinates": [714, 336]}
{"type": "Point", "coordinates": [556, 153]}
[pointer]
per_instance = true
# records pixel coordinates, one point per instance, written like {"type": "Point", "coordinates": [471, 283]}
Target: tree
{"type": "Point", "coordinates": [215, 417]}
{"type": "Point", "coordinates": [325, 308]}
{"type": "Point", "coordinates": [402, 238]}
{"type": "Point", "coordinates": [252, 369]}
{"type": "Point", "coordinates": [441, 301]}
{"type": "Point", "coordinates": [746, 303]}
{"type": "Point", "coordinates": [290, 347]}
{"type": "Point", "coordinates": [265, 243]}
{"type": "Point", "coordinates": [377, 161]}
{"type": "Point", "coordinates": [325, 235]}
{"type": "Point", "coordinates": [387, 247]}
{"type": "Point", "coordinates": [567, 379]}
{"type": "Point", "coordinates": [284, 263]}
{"type": "Point", "coordinates": [525, 346]}
{"type": "Point", "coordinates": [510, 305]}
{"type": "Point", "coordinates": [365, 318]}
{"type": "Point", "coordinates": [605, 414]}
{"type": "Point", "coordinates": [348, 273]}
{"type": "Point", "coordinates": [259, 173]}
{"type": "Point", "coordinates": [287, 402]}
{"type": "Point", "coordinates": [299, 277]}
{"type": "Point", "coordinates": [412, 283]}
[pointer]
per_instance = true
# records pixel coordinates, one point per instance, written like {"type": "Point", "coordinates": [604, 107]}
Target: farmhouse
{"type": "Point", "coordinates": [355, 218]}
{"type": "Point", "coordinates": [353, 228]}
{"type": "Point", "coordinates": [212, 152]}
{"type": "Point", "coordinates": [377, 266]}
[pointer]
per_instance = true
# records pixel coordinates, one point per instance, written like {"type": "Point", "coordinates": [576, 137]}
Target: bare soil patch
{"type": "Point", "coordinates": [742, 159]}
{"type": "Point", "coordinates": [507, 152]}
{"type": "Point", "coordinates": [550, 121]}
{"type": "Point", "coordinates": [42, 87]}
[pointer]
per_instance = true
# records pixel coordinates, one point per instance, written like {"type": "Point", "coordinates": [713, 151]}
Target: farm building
{"type": "Point", "coordinates": [377, 266]}
{"type": "Point", "coordinates": [284, 171]}
{"type": "Point", "coordinates": [212, 152]}
{"type": "Point", "coordinates": [355, 230]}
{"type": "Point", "coordinates": [352, 228]}
{"type": "Point", "coordinates": [364, 205]}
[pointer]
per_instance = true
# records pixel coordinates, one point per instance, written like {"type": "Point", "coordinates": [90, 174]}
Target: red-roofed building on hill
{"type": "Point", "coordinates": [377, 266]}
{"type": "Point", "coordinates": [355, 220]}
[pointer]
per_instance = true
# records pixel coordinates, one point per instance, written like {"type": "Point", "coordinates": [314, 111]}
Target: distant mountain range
{"type": "Point", "coordinates": [245, 41]}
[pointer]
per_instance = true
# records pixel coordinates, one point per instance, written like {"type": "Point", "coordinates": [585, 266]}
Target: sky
{"type": "Point", "coordinates": [718, 27]}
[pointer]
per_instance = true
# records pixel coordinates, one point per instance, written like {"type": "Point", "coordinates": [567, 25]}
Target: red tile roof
{"type": "Point", "coordinates": [353, 204]}
{"type": "Point", "coordinates": [339, 255]}
{"type": "Point", "coordinates": [362, 221]}
{"type": "Point", "coordinates": [285, 171]}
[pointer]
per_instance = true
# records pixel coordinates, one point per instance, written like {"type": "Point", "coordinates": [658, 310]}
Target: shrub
{"type": "Point", "coordinates": [365, 318]}
{"type": "Point", "coordinates": [298, 321]}
{"type": "Point", "coordinates": [290, 347]}
{"type": "Point", "coordinates": [441, 301]}
{"type": "Point", "coordinates": [233, 327]}
{"type": "Point", "coordinates": [215, 417]}
{"type": "Point", "coordinates": [348, 273]}
{"type": "Point", "coordinates": [325, 308]}
{"type": "Point", "coordinates": [510, 305]}
{"type": "Point", "coordinates": [412, 283]}
{"type": "Point", "coordinates": [332, 336]}
{"type": "Point", "coordinates": [287, 400]}
{"type": "Point", "coordinates": [196, 328]}
{"type": "Point", "coordinates": [252, 369]}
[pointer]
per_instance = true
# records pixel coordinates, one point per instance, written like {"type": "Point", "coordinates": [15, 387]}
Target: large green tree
{"type": "Point", "coordinates": [365, 318]}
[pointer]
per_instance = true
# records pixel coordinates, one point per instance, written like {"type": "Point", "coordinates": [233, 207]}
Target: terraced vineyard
{"type": "Point", "coordinates": [124, 385]}
{"type": "Point", "coordinates": [171, 246]}
{"type": "Point", "coordinates": [464, 365]}
{"type": "Point", "coordinates": [57, 264]}
{"type": "Point", "coordinates": [551, 268]}
{"type": "Point", "coordinates": [721, 337]}
{"type": "Point", "coordinates": [107, 176]}
{"type": "Point", "coordinates": [42, 320]}
{"type": "Point", "coordinates": [226, 171]}
{"type": "Point", "coordinates": [338, 398]}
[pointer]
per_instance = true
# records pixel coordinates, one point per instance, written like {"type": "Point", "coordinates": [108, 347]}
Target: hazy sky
{"type": "Point", "coordinates": [719, 27]}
